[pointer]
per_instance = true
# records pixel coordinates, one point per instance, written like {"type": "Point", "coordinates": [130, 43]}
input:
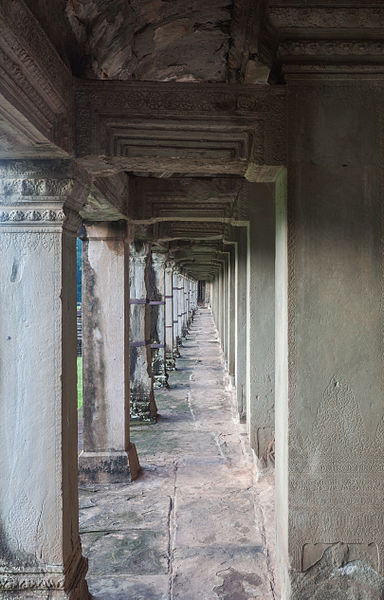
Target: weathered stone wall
{"type": "Point", "coordinates": [143, 39]}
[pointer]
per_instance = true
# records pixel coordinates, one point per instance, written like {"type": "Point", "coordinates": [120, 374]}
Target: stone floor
{"type": "Point", "coordinates": [196, 525]}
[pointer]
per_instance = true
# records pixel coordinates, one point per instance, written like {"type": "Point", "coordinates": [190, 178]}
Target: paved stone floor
{"type": "Point", "coordinates": [196, 525]}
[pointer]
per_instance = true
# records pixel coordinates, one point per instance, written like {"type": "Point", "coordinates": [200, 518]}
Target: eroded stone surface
{"type": "Point", "coordinates": [336, 576]}
{"type": "Point", "coordinates": [154, 39]}
{"type": "Point", "coordinates": [193, 525]}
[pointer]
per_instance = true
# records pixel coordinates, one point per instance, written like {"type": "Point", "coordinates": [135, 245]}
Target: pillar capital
{"type": "Point", "coordinates": [107, 230]}
{"type": "Point", "coordinates": [169, 265]}
{"type": "Point", "coordinates": [139, 251]}
{"type": "Point", "coordinates": [39, 196]}
{"type": "Point", "coordinates": [159, 257]}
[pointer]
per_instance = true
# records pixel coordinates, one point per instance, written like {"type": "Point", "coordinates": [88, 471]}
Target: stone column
{"type": "Point", "coordinates": [242, 300]}
{"type": "Point", "coordinates": [330, 349]}
{"type": "Point", "coordinates": [223, 303]}
{"type": "Point", "coordinates": [108, 455]}
{"type": "Point", "coordinates": [157, 315]}
{"type": "Point", "coordinates": [40, 550]}
{"type": "Point", "coordinates": [175, 288]}
{"type": "Point", "coordinates": [180, 308]}
{"type": "Point", "coordinates": [208, 286]}
{"type": "Point", "coordinates": [219, 305]}
{"type": "Point", "coordinates": [187, 301]}
{"type": "Point", "coordinates": [231, 319]}
{"type": "Point", "coordinates": [261, 322]}
{"type": "Point", "coordinates": [143, 405]}
{"type": "Point", "coordinates": [169, 337]}
{"type": "Point", "coordinates": [183, 302]}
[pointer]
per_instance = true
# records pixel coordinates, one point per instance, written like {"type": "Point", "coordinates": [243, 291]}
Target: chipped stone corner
{"type": "Point", "coordinates": [343, 572]}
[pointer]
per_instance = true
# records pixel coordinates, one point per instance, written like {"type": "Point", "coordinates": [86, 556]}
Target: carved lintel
{"type": "Point", "coordinates": [166, 127]}
{"type": "Point", "coordinates": [188, 231]}
{"type": "Point", "coordinates": [332, 37]}
{"type": "Point", "coordinates": [36, 92]}
{"type": "Point", "coordinates": [183, 199]}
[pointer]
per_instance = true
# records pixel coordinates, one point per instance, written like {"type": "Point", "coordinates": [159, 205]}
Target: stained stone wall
{"type": "Point", "coordinates": [329, 329]}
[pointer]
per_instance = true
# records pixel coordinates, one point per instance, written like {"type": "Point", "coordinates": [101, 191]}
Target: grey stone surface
{"type": "Point", "coordinates": [39, 538]}
{"type": "Point", "coordinates": [261, 323]}
{"type": "Point", "coordinates": [157, 317]}
{"type": "Point", "coordinates": [339, 577]}
{"type": "Point", "coordinates": [192, 525]}
{"type": "Point", "coordinates": [105, 321]}
{"type": "Point", "coordinates": [154, 40]}
{"type": "Point", "coordinates": [330, 350]}
{"type": "Point", "coordinates": [142, 400]}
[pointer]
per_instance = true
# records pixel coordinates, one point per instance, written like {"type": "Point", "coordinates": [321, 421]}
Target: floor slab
{"type": "Point", "coordinates": [196, 525]}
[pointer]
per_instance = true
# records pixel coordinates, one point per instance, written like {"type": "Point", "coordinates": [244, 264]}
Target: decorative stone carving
{"type": "Point", "coordinates": [40, 551]}
{"type": "Point", "coordinates": [35, 85]}
{"type": "Point", "coordinates": [316, 38]}
{"type": "Point", "coordinates": [176, 127]}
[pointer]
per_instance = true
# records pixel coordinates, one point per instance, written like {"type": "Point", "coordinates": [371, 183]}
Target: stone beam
{"type": "Point", "coordinates": [245, 62]}
{"type": "Point", "coordinates": [188, 231]}
{"type": "Point", "coordinates": [36, 92]}
{"type": "Point", "coordinates": [108, 199]}
{"type": "Point", "coordinates": [183, 199]}
{"type": "Point", "coordinates": [167, 128]}
{"type": "Point", "coordinates": [336, 37]}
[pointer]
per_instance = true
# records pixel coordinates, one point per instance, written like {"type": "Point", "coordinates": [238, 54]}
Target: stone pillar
{"type": "Point", "coordinates": [143, 405]}
{"type": "Point", "coordinates": [219, 299]}
{"type": "Point", "coordinates": [40, 550]}
{"type": "Point", "coordinates": [242, 300]}
{"type": "Point", "coordinates": [330, 349]}
{"type": "Point", "coordinates": [180, 308]}
{"type": "Point", "coordinates": [187, 291]}
{"type": "Point", "coordinates": [157, 315]}
{"type": "Point", "coordinates": [223, 303]}
{"type": "Point", "coordinates": [108, 455]}
{"type": "Point", "coordinates": [261, 322]}
{"type": "Point", "coordinates": [231, 319]}
{"type": "Point", "coordinates": [183, 301]}
{"type": "Point", "coordinates": [208, 287]}
{"type": "Point", "coordinates": [175, 289]}
{"type": "Point", "coordinates": [169, 337]}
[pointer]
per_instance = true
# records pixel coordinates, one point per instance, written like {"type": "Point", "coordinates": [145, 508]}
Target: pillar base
{"type": "Point", "coordinates": [171, 362]}
{"type": "Point", "coordinates": [160, 381]}
{"type": "Point", "coordinates": [50, 583]}
{"type": "Point", "coordinates": [263, 446]}
{"type": "Point", "coordinates": [143, 409]}
{"type": "Point", "coordinates": [108, 467]}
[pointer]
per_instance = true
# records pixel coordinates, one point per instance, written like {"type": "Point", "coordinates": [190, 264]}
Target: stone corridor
{"type": "Point", "coordinates": [196, 525]}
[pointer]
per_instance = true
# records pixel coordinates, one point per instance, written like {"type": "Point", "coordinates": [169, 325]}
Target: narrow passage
{"type": "Point", "coordinates": [195, 525]}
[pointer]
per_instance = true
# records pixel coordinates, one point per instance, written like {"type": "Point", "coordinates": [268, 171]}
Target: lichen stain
{"type": "Point", "coordinates": [15, 268]}
{"type": "Point", "coordinates": [236, 585]}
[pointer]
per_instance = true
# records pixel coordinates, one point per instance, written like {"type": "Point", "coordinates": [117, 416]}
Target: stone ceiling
{"type": "Point", "coordinates": [195, 137]}
{"type": "Point", "coordinates": [156, 40]}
